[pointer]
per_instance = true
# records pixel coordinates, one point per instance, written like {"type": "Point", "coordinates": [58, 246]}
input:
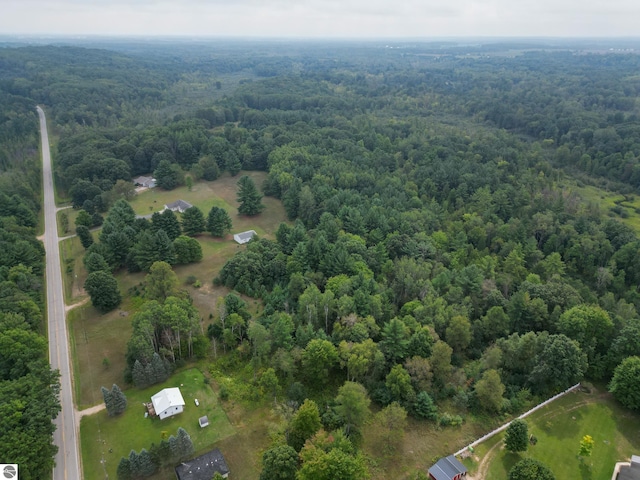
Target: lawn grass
{"type": "Point", "coordinates": [71, 213]}
{"type": "Point", "coordinates": [560, 426]}
{"type": "Point", "coordinates": [106, 439]}
{"type": "Point", "coordinates": [73, 271]}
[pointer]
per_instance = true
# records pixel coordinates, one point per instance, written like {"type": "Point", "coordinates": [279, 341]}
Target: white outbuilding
{"type": "Point", "coordinates": [244, 237]}
{"type": "Point", "coordinates": [168, 402]}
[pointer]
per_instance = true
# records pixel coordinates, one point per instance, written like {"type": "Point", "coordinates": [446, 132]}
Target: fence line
{"type": "Point", "coordinates": [524, 415]}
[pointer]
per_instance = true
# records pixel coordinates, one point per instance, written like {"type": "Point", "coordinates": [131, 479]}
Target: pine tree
{"type": "Point", "coordinates": [159, 369]}
{"type": "Point", "coordinates": [147, 467]}
{"type": "Point", "coordinates": [124, 469]}
{"type": "Point", "coordinates": [164, 248]}
{"type": "Point", "coordinates": [193, 221]}
{"type": "Point", "coordinates": [139, 375]}
{"type": "Point", "coordinates": [134, 464]}
{"type": "Point", "coordinates": [218, 222]}
{"type": "Point", "coordinates": [174, 448]}
{"type": "Point", "coordinates": [185, 443]}
{"type": "Point", "coordinates": [119, 400]}
{"type": "Point", "coordinates": [168, 222]}
{"type": "Point", "coordinates": [86, 239]}
{"type": "Point", "coordinates": [108, 401]}
{"type": "Point", "coordinates": [249, 197]}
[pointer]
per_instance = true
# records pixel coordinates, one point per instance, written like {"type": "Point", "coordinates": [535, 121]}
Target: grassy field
{"type": "Point", "coordinates": [106, 439]}
{"type": "Point", "coordinates": [559, 427]}
{"type": "Point", "coordinates": [73, 271]}
{"type": "Point", "coordinates": [625, 208]}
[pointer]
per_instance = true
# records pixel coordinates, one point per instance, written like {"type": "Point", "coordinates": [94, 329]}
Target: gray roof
{"type": "Point", "coordinates": [179, 204]}
{"type": "Point", "coordinates": [447, 468]}
{"type": "Point", "coordinates": [630, 472]}
{"type": "Point", "coordinates": [203, 467]}
{"type": "Point", "coordinates": [203, 421]}
{"type": "Point", "coordinates": [245, 236]}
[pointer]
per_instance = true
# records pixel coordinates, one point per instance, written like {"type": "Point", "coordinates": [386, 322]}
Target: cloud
{"type": "Point", "coordinates": [322, 18]}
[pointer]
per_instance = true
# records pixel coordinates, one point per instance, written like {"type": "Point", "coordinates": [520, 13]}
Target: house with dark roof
{"type": "Point", "coordinates": [448, 468]}
{"type": "Point", "coordinates": [628, 470]}
{"type": "Point", "coordinates": [178, 206]}
{"type": "Point", "coordinates": [244, 237]}
{"type": "Point", "coordinates": [203, 467]}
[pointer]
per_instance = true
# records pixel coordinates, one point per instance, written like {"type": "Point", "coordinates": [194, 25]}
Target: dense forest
{"type": "Point", "coordinates": [436, 258]}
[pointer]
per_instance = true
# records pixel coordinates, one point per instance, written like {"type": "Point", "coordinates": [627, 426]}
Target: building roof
{"type": "Point", "coordinates": [203, 421]}
{"type": "Point", "coordinates": [244, 237]}
{"type": "Point", "coordinates": [142, 179]}
{"type": "Point", "coordinates": [630, 472]}
{"type": "Point", "coordinates": [203, 467]}
{"type": "Point", "coordinates": [169, 397]}
{"type": "Point", "coordinates": [447, 468]}
{"type": "Point", "coordinates": [178, 205]}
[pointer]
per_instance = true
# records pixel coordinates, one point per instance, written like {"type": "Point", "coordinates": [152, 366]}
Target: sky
{"type": "Point", "coordinates": [323, 18]}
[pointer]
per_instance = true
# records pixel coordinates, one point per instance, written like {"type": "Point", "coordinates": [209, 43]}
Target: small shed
{"type": "Point", "coordinates": [448, 468]}
{"type": "Point", "coordinates": [630, 471]}
{"type": "Point", "coordinates": [178, 206]}
{"type": "Point", "coordinates": [203, 421]}
{"type": "Point", "coordinates": [168, 402]}
{"type": "Point", "coordinates": [203, 467]}
{"type": "Point", "coordinates": [244, 237]}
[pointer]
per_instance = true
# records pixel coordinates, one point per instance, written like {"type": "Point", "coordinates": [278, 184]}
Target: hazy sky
{"type": "Point", "coordinates": [323, 18]}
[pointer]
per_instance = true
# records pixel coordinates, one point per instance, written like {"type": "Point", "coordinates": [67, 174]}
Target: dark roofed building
{"type": "Point", "coordinates": [203, 467]}
{"type": "Point", "coordinates": [178, 206]}
{"type": "Point", "coordinates": [630, 471]}
{"type": "Point", "coordinates": [448, 468]}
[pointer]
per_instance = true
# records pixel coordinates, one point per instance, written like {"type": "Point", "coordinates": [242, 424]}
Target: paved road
{"type": "Point", "coordinates": [66, 436]}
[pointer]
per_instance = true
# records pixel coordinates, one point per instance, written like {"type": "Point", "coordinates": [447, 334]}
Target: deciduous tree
{"type": "Point", "coordinates": [516, 437]}
{"type": "Point", "coordinates": [625, 384]}
{"type": "Point", "coordinates": [103, 290]}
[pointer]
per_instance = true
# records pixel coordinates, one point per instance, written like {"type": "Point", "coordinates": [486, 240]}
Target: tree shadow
{"type": "Point", "coordinates": [586, 472]}
{"type": "Point", "coordinates": [509, 459]}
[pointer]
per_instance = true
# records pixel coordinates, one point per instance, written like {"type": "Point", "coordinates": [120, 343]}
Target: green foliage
{"type": "Point", "coordinates": [625, 384]}
{"type": "Point", "coordinates": [352, 404]}
{"type": "Point", "coordinates": [193, 222]}
{"type": "Point", "coordinates": [168, 175]}
{"type": "Point", "coordinates": [331, 456]}
{"type": "Point", "coordinates": [188, 250]}
{"type": "Point", "coordinates": [516, 437]}
{"type": "Point", "coordinates": [161, 282]}
{"type": "Point", "coordinates": [530, 469]}
{"type": "Point", "coordinates": [318, 358]}
{"type": "Point", "coordinates": [424, 407]}
{"type": "Point", "coordinates": [586, 446]}
{"type": "Point", "coordinates": [279, 463]}
{"type": "Point", "coordinates": [249, 198]}
{"type": "Point", "coordinates": [218, 222]}
{"type": "Point", "coordinates": [304, 424]}
{"type": "Point", "coordinates": [102, 287]}
{"type": "Point", "coordinates": [86, 239]}
{"type": "Point", "coordinates": [489, 390]}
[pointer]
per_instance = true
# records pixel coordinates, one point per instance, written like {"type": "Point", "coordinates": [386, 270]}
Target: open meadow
{"type": "Point", "coordinates": [559, 427]}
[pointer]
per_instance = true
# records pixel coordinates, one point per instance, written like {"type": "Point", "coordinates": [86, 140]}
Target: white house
{"type": "Point", "coordinates": [142, 181]}
{"type": "Point", "coordinates": [168, 402]}
{"type": "Point", "coordinates": [178, 206]}
{"type": "Point", "coordinates": [244, 237]}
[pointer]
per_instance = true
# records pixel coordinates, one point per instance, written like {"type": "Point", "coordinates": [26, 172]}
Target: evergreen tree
{"type": "Point", "coordinates": [119, 400]}
{"type": "Point", "coordinates": [124, 469]}
{"type": "Point", "coordinates": [218, 222]}
{"type": "Point", "coordinates": [146, 465]}
{"type": "Point", "coordinates": [167, 175]}
{"type": "Point", "coordinates": [159, 369]}
{"type": "Point", "coordinates": [86, 239]}
{"type": "Point", "coordinates": [83, 218]}
{"type": "Point", "coordinates": [164, 248]}
{"type": "Point", "coordinates": [424, 407]}
{"type": "Point", "coordinates": [94, 262]}
{"type": "Point", "coordinates": [108, 400]}
{"type": "Point", "coordinates": [249, 198]}
{"type": "Point", "coordinates": [232, 163]}
{"type": "Point", "coordinates": [134, 464]}
{"type": "Point", "coordinates": [167, 221]}
{"type": "Point", "coordinates": [193, 221]}
{"type": "Point", "coordinates": [174, 448]}
{"type": "Point", "coordinates": [185, 444]}
{"type": "Point", "coordinates": [139, 375]}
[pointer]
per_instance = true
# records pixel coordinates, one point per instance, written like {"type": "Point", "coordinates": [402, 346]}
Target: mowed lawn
{"type": "Point", "coordinates": [106, 439]}
{"type": "Point", "coordinates": [560, 426]}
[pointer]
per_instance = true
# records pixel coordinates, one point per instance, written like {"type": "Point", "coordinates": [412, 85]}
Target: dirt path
{"type": "Point", "coordinates": [71, 307]}
{"type": "Point", "coordinates": [483, 466]}
{"type": "Point", "coordinates": [89, 411]}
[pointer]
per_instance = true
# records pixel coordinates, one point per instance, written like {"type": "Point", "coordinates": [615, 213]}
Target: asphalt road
{"type": "Point", "coordinates": [66, 436]}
